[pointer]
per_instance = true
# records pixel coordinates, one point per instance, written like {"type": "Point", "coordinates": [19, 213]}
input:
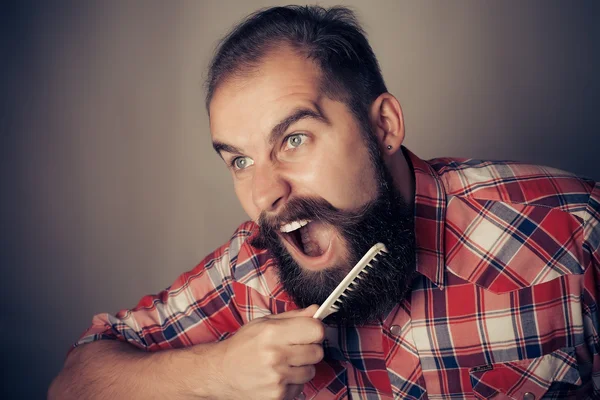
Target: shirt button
{"type": "Point", "coordinates": [395, 330]}
{"type": "Point", "coordinates": [301, 396]}
{"type": "Point", "coordinates": [529, 396]}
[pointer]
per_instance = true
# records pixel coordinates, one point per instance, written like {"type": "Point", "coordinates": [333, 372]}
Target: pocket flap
{"type": "Point", "coordinates": [506, 247]}
{"type": "Point", "coordinates": [534, 375]}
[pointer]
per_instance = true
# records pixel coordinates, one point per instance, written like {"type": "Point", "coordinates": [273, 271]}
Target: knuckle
{"type": "Point", "coordinates": [274, 380]}
{"type": "Point", "coordinates": [269, 330]}
{"type": "Point", "coordinates": [279, 393]}
{"type": "Point", "coordinates": [319, 352]}
{"type": "Point", "coordinates": [311, 372]}
{"type": "Point", "coordinates": [277, 384]}
{"type": "Point", "coordinates": [319, 330]}
{"type": "Point", "coordinates": [270, 334]}
{"type": "Point", "coordinates": [271, 358]}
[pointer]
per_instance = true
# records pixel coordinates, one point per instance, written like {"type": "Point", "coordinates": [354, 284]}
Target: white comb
{"type": "Point", "coordinates": [334, 301]}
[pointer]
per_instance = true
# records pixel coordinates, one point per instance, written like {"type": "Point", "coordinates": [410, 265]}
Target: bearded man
{"type": "Point", "coordinates": [489, 288]}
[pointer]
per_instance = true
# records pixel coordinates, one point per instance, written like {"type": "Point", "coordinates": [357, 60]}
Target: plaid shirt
{"type": "Point", "coordinates": [505, 304]}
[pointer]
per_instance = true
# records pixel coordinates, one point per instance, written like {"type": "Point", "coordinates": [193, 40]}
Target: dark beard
{"type": "Point", "coordinates": [386, 219]}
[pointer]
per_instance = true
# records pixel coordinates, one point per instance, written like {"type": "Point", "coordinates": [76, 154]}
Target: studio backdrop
{"type": "Point", "coordinates": [110, 186]}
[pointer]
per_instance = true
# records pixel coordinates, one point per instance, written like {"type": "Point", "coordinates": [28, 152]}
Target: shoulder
{"type": "Point", "coordinates": [236, 261]}
{"type": "Point", "coordinates": [515, 183]}
{"type": "Point", "coordinates": [510, 225]}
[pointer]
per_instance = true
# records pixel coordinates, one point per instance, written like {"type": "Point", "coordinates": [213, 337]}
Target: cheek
{"type": "Point", "coordinates": [357, 184]}
{"type": "Point", "coordinates": [345, 177]}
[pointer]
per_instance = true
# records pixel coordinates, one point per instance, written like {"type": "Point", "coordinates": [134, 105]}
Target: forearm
{"type": "Point", "coordinates": [112, 369]}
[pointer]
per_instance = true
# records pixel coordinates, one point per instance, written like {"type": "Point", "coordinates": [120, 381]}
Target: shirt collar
{"type": "Point", "coordinates": [430, 214]}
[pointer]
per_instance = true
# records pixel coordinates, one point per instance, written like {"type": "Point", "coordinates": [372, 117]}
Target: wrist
{"type": "Point", "coordinates": [203, 372]}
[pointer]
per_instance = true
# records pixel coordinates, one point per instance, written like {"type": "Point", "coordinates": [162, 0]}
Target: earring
{"type": "Point", "coordinates": [389, 146]}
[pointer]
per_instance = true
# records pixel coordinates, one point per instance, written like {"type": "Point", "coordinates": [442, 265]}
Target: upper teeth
{"type": "Point", "coordinates": [292, 226]}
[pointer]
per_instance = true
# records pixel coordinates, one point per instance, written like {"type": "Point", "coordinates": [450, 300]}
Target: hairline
{"type": "Point", "coordinates": [329, 86]}
{"type": "Point", "coordinates": [336, 90]}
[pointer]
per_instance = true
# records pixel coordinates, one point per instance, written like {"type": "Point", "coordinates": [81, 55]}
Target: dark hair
{"type": "Point", "coordinates": [331, 37]}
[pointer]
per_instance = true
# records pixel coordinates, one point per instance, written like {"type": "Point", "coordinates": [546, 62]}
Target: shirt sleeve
{"type": "Point", "coordinates": [197, 308]}
{"type": "Point", "coordinates": [591, 293]}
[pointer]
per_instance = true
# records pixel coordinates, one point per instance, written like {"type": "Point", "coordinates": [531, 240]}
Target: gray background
{"type": "Point", "coordinates": [110, 188]}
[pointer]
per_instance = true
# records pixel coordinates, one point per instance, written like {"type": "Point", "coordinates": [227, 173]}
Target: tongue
{"type": "Point", "coordinates": [316, 237]}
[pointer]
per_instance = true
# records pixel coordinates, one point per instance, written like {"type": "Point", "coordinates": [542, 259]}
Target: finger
{"type": "Point", "coordinates": [292, 391]}
{"type": "Point", "coordinates": [300, 330]}
{"type": "Point", "coordinates": [301, 312]}
{"type": "Point", "coordinates": [311, 310]}
{"type": "Point", "coordinates": [300, 375]}
{"type": "Point", "coordinates": [307, 354]}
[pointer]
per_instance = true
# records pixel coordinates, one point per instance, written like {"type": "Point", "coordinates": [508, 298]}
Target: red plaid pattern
{"type": "Point", "coordinates": [505, 303]}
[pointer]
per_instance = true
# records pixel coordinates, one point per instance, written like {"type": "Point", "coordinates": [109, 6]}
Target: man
{"type": "Point", "coordinates": [489, 288]}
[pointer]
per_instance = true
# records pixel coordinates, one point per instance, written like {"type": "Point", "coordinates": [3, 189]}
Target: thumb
{"type": "Point", "coordinates": [310, 310]}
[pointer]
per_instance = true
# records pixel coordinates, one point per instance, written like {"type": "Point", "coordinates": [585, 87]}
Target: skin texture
{"type": "Point", "coordinates": [272, 357]}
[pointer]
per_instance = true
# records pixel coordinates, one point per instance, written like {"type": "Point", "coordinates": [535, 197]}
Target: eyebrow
{"type": "Point", "coordinates": [279, 129]}
{"type": "Point", "coordinates": [220, 147]}
{"type": "Point", "coordinates": [297, 115]}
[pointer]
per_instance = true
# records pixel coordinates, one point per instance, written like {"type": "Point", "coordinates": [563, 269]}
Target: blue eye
{"type": "Point", "coordinates": [242, 162]}
{"type": "Point", "coordinates": [295, 140]}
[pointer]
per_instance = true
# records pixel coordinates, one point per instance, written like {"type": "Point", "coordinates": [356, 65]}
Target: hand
{"type": "Point", "coordinates": [272, 357]}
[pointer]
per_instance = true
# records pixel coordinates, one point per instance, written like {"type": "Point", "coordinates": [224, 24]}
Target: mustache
{"type": "Point", "coordinates": [308, 208]}
{"type": "Point", "coordinates": [313, 208]}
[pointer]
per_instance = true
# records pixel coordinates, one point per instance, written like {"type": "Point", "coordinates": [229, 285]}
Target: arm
{"type": "Point", "coordinates": [109, 369]}
{"type": "Point", "coordinates": [591, 295]}
{"type": "Point", "coordinates": [269, 358]}
{"type": "Point", "coordinates": [195, 340]}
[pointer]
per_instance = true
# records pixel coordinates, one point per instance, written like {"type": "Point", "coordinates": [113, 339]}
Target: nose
{"type": "Point", "coordinates": [269, 188]}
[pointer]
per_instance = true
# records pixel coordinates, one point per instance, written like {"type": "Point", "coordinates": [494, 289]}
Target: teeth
{"type": "Point", "coordinates": [292, 226]}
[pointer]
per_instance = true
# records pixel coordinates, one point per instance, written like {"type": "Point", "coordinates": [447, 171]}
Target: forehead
{"type": "Point", "coordinates": [284, 80]}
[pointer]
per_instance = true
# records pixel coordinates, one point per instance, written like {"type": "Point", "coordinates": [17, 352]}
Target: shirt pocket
{"type": "Point", "coordinates": [554, 375]}
{"type": "Point", "coordinates": [507, 247]}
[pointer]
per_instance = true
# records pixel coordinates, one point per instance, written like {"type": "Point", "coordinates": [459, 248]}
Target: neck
{"type": "Point", "coordinates": [403, 176]}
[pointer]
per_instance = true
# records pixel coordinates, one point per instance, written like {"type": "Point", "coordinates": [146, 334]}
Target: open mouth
{"type": "Point", "coordinates": [308, 238]}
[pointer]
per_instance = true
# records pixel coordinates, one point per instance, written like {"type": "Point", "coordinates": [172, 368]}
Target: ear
{"type": "Point", "coordinates": [388, 123]}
